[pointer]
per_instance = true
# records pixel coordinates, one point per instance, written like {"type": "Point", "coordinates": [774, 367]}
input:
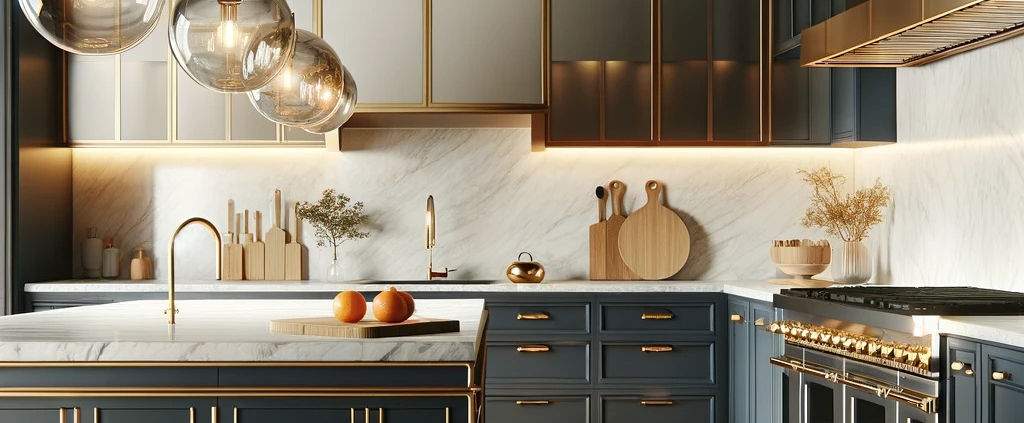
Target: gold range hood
{"type": "Point", "coordinates": [897, 33]}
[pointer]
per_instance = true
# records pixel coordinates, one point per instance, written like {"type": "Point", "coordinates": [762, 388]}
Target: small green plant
{"type": "Point", "coordinates": [335, 218]}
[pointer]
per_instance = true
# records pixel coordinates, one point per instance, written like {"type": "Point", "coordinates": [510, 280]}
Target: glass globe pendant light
{"type": "Point", "coordinates": [232, 46]}
{"type": "Point", "coordinates": [93, 27]}
{"type": "Point", "coordinates": [310, 90]}
{"type": "Point", "coordinates": [346, 107]}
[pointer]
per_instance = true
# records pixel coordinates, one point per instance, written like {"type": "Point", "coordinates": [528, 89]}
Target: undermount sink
{"type": "Point", "coordinates": [430, 282]}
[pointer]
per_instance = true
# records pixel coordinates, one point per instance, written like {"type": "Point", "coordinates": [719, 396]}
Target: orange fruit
{"type": "Point", "coordinates": [410, 305]}
{"type": "Point", "coordinates": [389, 306]}
{"type": "Point", "coordinates": [349, 306]}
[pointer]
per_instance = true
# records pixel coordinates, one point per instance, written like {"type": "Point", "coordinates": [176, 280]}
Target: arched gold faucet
{"type": "Point", "coordinates": [431, 241]}
{"type": "Point", "coordinates": [171, 311]}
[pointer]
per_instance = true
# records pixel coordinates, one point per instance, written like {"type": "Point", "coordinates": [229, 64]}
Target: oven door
{"type": "Point", "coordinates": [810, 397]}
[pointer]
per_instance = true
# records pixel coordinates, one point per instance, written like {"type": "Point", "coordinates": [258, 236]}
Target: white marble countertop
{"type": "Point", "coordinates": [757, 290]}
{"type": "Point", "coordinates": [1007, 330]}
{"type": "Point", "coordinates": [222, 331]}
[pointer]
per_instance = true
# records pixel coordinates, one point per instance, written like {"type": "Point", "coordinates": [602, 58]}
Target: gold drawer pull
{"type": "Point", "coordinates": [540, 315]}
{"type": "Point", "coordinates": [532, 402]}
{"type": "Point", "coordinates": [738, 318]}
{"type": "Point", "coordinates": [533, 348]}
{"type": "Point", "coordinates": [759, 322]}
{"type": "Point", "coordinates": [1000, 375]}
{"type": "Point", "coordinates": [666, 315]}
{"type": "Point", "coordinates": [959, 365]}
{"type": "Point", "coordinates": [656, 402]}
{"type": "Point", "coordinates": [656, 348]}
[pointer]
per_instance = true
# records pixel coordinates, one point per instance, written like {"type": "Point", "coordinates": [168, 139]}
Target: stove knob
{"type": "Point", "coordinates": [804, 333]}
{"type": "Point", "coordinates": [886, 349]}
{"type": "Point", "coordinates": [924, 358]}
{"type": "Point", "coordinates": [825, 337]}
{"type": "Point", "coordinates": [899, 352]}
{"type": "Point", "coordinates": [774, 327]}
{"type": "Point", "coordinates": [838, 338]}
{"type": "Point", "coordinates": [813, 334]}
{"type": "Point", "coordinates": [848, 343]}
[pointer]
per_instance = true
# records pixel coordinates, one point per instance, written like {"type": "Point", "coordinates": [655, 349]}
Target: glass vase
{"type": "Point", "coordinates": [334, 272]}
{"type": "Point", "coordinates": [851, 263]}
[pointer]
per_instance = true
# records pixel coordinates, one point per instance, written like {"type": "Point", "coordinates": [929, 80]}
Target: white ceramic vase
{"type": "Point", "coordinates": [851, 263]}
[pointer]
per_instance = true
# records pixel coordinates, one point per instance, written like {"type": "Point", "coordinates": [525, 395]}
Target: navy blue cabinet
{"type": "Point", "coordinates": [108, 410]}
{"type": "Point", "coordinates": [984, 381]}
{"type": "Point", "coordinates": [755, 386]}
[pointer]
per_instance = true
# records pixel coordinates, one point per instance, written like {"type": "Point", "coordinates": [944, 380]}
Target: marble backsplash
{"type": "Point", "coordinates": [957, 173]}
{"type": "Point", "coordinates": [493, 197]}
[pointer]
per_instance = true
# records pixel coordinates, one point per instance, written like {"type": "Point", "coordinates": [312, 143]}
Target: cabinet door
{"type": "Point", "coordinates": [736, 71]}
{"type": "Point", "coordinates": [404, 409]}
{"type": "Point", "coordinates": [144, 88]}
{"type": "Point", "coordinates": [149, 410]}
{"type": "Point", "coordinates": [863, 104]}
{"type": "Point", "coordinates": [962, 381]}
{"type": "Point", "coordinates": [601, 83]}
{"type": "Point", "coordinates": [740, 372]}
{"type": "Point", "coordinates": [537, 409]}
{"type": "Point", "coordinates": [486, 51]}
{"type": "Point", "coordinates": [690, 409]}
{"type": "Point", "coordinates": [1003, 382]}
{"type": "Point", "coordinates": [684, 71]}
{"type": "Point", "coordinates": [91, 98]}
{"type": "Point", "coordinates": [39, 410]}
{"type": "Point", "coordinates": [765, 404]}
{"type": "Point", "coordinates": [381, 42]}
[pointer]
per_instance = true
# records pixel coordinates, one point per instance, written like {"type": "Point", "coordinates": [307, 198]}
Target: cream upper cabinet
{"type": "Point", "coordinates": [487, 51]}
{"type": "Point", "coordinates": [382, 43]}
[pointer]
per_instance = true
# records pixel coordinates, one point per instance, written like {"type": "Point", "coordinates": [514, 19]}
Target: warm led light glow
{"type": "Point", "coordinates": [227, 33]}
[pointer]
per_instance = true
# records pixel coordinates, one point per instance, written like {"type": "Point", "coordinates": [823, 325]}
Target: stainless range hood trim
{"type": "Point", "coordinates": [846, 39]}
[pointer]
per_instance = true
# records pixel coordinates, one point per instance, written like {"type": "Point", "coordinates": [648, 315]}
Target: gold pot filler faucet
{"type": "Point", "coordinates": [431, 241]}
{"type": "Point", "coordinates": [171, 311]}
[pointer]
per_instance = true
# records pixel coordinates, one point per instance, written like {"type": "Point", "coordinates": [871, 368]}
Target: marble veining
{"type": "Point", "coordinates": [222, 330]}
{"type": "Point", "coordinates": [494, 198]}
{"type": "Point", "coordinates": [956, 173]}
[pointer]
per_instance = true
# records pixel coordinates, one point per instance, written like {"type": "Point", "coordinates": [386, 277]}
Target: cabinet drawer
{"type": "Point", "coordinates": [548, 362]}
{"type": "Point", "coordinates": [691, 409]}
{"type": "Point", "coordinates": [563, 318]}
{"type": "Point", "coordinates": [538, 409]}
{"type": "Point", "coordinates": [1005, 365]}
{"type": "Point", "coordinates": [662, 362]}
{"type": "Point", "coordinates": [696, 318]}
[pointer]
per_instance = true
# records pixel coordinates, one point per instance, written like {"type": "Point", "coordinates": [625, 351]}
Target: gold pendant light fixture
{"type": "Point", "coordinates": [232, 46]}
{"type": "Point", "coordinates": [313, 92]}
{"type": "Point", "coordinates": [93, 27]}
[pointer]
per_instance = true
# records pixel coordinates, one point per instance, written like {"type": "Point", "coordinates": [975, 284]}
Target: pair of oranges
{"type": "Point", "coordinates": [390, 306]}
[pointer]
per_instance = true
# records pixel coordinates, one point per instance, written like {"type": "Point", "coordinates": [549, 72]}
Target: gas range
{"type": "Point", "coordinates": [881, 341]}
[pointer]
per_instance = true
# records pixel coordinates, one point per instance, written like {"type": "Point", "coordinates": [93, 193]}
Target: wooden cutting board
{"type": "Point", "coordinates": [615, 268]}
{"type": "Point", "coordinates": [293, 252]}
{"type": "Point", "coordinates": [599, 239]}
{"type": "Point", "coordinates": [273, 265]}
{"type": "Point", "coordinates": [329, 326]}
{"type": "Point", "coordinates": [653, 241]}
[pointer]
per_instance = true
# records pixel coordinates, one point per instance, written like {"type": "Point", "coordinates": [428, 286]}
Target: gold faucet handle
{"type": "Point", "coordinates": [167, 310]}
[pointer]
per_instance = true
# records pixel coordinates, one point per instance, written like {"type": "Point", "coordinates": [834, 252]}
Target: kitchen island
{"type": "Point", "coordinates": [122, 362]}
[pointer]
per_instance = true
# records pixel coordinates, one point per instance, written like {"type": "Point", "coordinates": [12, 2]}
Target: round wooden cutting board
{"type": "Point", "coordinates": [653, 241]}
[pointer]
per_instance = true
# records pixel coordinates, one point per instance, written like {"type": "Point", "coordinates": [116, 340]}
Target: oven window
{"type": "Point", "coordinates": [819, 403]}
{"type": "Point", "coordinates": [785, 397]}
{"type": "Point", "coordinates": [866, 411]}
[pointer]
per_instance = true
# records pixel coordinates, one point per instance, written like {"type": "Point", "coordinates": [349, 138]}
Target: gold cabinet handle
{"type": "Point", "coordinates": [533, 348]}
{"type": "Point", "coordinates": [665, 315]}
{"type": "Point", "coordinates": [759, 322]}
{"type": "Point", "coordinates": [1000, 375]}
{"type": "Point", "coordinates": [539, 315]}
{"type": "Point", "coordinates": [532, 402]}
{"type": "Point", "coordinates": [959, 365]}
{"type": "Point", "coordinates": [75, 415]}
{"type": "Point", "coordinates": [656, 348]}
{"type": "Point", "coordinates": [737, 318]}
{"type": "Point", "coordinates": [656, 402]}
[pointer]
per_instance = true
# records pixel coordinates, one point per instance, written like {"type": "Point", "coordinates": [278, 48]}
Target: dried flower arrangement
{"type": "Point", "coordinates": [334, 219]}
{"type": "Point", "coordinates": [848, 216]}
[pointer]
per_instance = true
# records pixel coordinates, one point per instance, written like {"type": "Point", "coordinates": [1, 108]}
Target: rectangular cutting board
{"type": "Point", "coordinates": [329, 326]}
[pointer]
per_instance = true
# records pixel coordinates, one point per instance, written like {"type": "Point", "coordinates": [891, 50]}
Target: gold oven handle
{"type": "Point", "coordinates": [539, 315]}
{"type": "Point", "coordinates": [656, 348]}
{"type": "Point", "coordinates": [533, 348]}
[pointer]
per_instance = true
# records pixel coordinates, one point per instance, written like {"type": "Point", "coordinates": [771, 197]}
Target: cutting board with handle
{"type": "Point", "coordinates": [654, 241]}
{"type": "Point", "coordinates": [330, 326]}
{"type": "Point", "coordinates": [233, 266]}
{"type": "Point", "coordinates": [255, 251]}
{"type": "Point", "coordinates": [293, 252]}
{"type": "Point", "coordinates": [274, 259]}
{"type": "Point", "coordinates": [598, 239]}
{"type": "Point", "coordinates": [615, 268]}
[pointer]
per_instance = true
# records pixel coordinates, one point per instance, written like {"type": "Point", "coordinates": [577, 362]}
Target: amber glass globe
{"type": "Point", "coordinates": [346, 106]}
{"type": "Point", "coordinates": [310, 87]}
{"type": "Point", "coordinates": [232, 46]}
{"type": "Point", "coordinates": [93, 27]}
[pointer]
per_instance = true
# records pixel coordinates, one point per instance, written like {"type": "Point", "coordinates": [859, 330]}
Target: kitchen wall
{"type": "Point", "coordinates": [493, 197]}
{"type": "Point", "coordinates": [957, 173]}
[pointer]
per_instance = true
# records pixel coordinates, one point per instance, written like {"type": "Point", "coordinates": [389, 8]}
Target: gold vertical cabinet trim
{"type": "Point", "coordinates": [540, 315]}
{"type": "Point", "coordinates": [352, 415]}
{"type": "Point", "coordinates": [710, 42]}
{"type": "Point", "coordinates": [766, 61]}
{"type": "Point", "coordinates": [380, 415]}
{"type": "Point", "coordinates": [235, 413]}
{"type": "Point", "coordinates": [656, 22]}
{"type": "Point", "coordinates": [533, 348]}
{"type": "Point", "coordinates": [366, 415]}
{"type": "Point", "coordinates": [545, 51]}
{"type": "Point", "coordinates": [213, 414]}
{"type": "Point", "coordinates": [96, 415]}
{"type": "Point", "coordinates": [600, 101]}
{"type": "Point", "coordinates": [62, 414]}
{"type": "Point", "coordinates": [656, 348]}
{"type": "Point", "coordinates": [656, 402]}
{"type": "Point", "coordinates": [78, 414]}
{"type": "Point", "coordinates": [172, 85]}
{"type": "Point", "coordinates": [117, 96]}
{"type": "Point", "coordinates": [318, 17]}
{"type": "Point", "coordinates": [191, 415]}
{"type": "Point", "coordinates": [428, 55]}
{"type": "Point", "coordinates": [448, 415]}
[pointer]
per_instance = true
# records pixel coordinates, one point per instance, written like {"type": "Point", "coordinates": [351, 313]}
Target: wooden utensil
{"type": "Point", "coordinates": [329, 326]}
{"type": "Point", "coordinates": [233, 267]}
{"type": "Point", "coordinates": [293, 252]}
{"type": "Point", "coordinates": [616, 269]}
{"type": "Point", "coordinates": [598, 239]}
{"type": "Point", "coordinates": [654, 241]}
{"type": "Point", "coordinates": [274, 265]}
{"type": "Point", "coordinates": [255, 252]}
